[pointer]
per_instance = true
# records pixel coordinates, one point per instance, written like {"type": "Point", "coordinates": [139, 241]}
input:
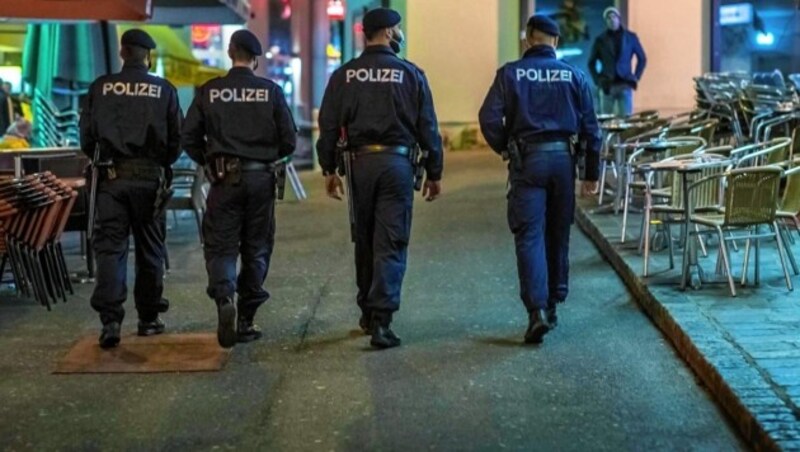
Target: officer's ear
{"type": "Point", "coordinates": [555, 42]}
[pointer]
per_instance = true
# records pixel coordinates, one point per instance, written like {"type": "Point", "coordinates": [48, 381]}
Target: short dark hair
{"type": "Point", "coordinates": [370, 34]}
{"type": "Point", "coordinates": [134, 54]}
{"type": "Point", "coordinates": [239, 54]}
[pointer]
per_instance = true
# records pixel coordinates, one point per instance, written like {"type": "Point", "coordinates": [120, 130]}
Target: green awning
{"type": "Point", "coordinates": [181, 68]}
{"type": "Point", "coordinates": [12, 38]}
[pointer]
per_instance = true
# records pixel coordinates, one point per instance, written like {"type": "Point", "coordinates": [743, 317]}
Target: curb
{"type": "Point", "coordinates": [749, 427]}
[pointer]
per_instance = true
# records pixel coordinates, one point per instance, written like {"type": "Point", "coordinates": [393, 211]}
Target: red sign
{"type": "Point", "coordinates": [335, 10]}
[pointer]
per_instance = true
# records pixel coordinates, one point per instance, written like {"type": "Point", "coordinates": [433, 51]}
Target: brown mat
{"type": "Point", "coordinates": [162, 353]}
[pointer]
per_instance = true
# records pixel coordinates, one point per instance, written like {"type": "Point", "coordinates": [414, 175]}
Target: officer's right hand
{"type": "Point", "coordinates": [431, 190]}
{"type": "Point", "coordinates": [334, 187]}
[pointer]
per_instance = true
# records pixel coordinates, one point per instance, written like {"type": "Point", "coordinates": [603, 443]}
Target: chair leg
{"type": "Point", "coordinates": [787, 241]}
{"type": "Point", "coordinates": [746, 262]}
{"type": "Point", "coordinates": [758, 258]}
{"type": "Point", "coordinates": [670, 245]}
{"type": "Point", "coordinates": [603, 172]}
{"type": "Point", "coordinates": [726, 260]}
{"type": "Point", "coordinates": [781, 250]}
{"type": "Point", "coordinates": [625, 200]}
{"type": "Point", "coordinates": [700, 241]}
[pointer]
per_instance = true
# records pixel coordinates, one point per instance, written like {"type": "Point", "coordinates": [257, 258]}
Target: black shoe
{"type": "Point", "coordinates": [151, 328]}
{"type": "Point", "coordinates": [226, 326]}
{"type": "Point", "coordinates": [109, 337]}
{"type": "Point", "coordinates": [247, 331]}
{"type": "Point", "coordinates": [382, 336]}
{"type": "Point", "coordinates": [552, 317]}
{"type": "Point", "coordinates": [537, 327]}
{"type": "Point", "coordinates": [363, 323]}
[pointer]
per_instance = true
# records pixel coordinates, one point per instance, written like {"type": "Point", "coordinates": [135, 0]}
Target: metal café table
{"type": "Point", "coordinates": [656, 148]}
{"type": "Point", "coordinates": [38, 153]}
{"type": "Point", "coordinates": [685, 171]}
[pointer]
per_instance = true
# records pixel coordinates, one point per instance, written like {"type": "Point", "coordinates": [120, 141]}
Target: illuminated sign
{"type": "Point", "coordinates": [737, 14]}
{"type": "Point", "coordinates": [335, 10]}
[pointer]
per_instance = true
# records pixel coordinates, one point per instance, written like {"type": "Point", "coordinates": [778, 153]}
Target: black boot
{"type": "Point", "coordinates": [382, 335]}
{"type": "Point", "coordinates": [151, 327]}
{"type": "Point", "coordinates": [226, 326]}
{"type": "Point", "coordinates": [109, 337]}
{"type": "Point", "coordinates": [537, 326]}
{"type": "Point", "coordinates": [248, 332]}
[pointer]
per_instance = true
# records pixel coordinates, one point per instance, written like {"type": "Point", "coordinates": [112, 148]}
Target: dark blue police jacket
{"type": "Point", "coordinates": [539, 98]}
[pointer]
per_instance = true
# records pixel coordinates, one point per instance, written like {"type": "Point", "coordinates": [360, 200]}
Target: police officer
{"type": "Point", "coordinates": [538, 104]}
{"type": "Point", "coordinates": [382, 107]}
{"type": "Point", "coordinates": [238, 126]}
{"type": "Point", "coordinates": [133, 119]}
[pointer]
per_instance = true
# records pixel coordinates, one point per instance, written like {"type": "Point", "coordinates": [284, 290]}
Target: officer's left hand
{"type": "Point", "coordinates": [589, 188]}
{"type": "Point", "coordinates": [431, 189]}
{"type": "Point", "coordinates": [334, 187]}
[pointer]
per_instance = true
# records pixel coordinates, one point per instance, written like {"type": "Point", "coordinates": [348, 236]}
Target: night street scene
{"type": "Point", "coordinates": [391, 225]}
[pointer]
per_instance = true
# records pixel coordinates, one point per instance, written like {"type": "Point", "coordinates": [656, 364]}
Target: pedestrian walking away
{"type": "Point", "coordinates": [379, 128]}
{"type": "Point", "coordinates": [130, 127]}
{"type": "Point", "coordinates": [238, 127]}
{"type": "Point", "coordinates": [539, 113]}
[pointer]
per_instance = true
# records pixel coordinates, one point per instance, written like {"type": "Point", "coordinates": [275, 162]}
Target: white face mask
{"type": "Point", "coordinates": [398, 41]}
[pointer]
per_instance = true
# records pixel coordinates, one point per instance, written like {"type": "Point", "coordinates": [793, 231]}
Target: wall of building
{"type": "Point", "coordinates": [672, 33]}
{"type": "Point", "coordinates": [456, 43]}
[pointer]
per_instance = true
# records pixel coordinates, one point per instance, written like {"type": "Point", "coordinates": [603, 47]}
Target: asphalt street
{"type": "Point", "coordinates": [606, 379]}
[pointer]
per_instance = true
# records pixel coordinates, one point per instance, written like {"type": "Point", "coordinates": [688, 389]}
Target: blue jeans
{"type": "Point", "coordinates": [618, 101]}
{"type": "Point", "coordinates": [541, 206]}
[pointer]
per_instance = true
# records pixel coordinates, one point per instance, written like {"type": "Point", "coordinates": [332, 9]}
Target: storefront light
{"type": "Point", "coordinates": [765, 39]}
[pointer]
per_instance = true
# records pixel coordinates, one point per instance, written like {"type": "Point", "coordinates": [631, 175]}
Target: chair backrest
{"type": "Point", "coordinates": [692, 145]}
{"type": "Point", "coordinates": [767, 153]}
{"type": "Point", "coordinates": [790, 201]}
{"type": "Point", "coordinates": [751, 195]}
{"type": "Point", "coordinates": [708, 194]}
{"type": "Point", "coordinates": [199, 192]}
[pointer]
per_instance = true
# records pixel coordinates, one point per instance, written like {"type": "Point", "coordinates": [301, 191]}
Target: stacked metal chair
{"type": "Point", "coordinates": [33, 212]}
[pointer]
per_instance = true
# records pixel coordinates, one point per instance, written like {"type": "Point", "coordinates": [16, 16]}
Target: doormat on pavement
{"type": "Point", "coordinates": [134, 354]}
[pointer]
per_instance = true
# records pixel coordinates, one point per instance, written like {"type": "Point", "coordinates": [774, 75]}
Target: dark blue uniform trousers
{"type": "Point", "coordinates": [541, 205]}
{"type": "Point", "coordinates": [384, 196]}
{"type": "Point", "coordinates": [240, 220]}
{"type": "Point", "coordinates": [125, 206]}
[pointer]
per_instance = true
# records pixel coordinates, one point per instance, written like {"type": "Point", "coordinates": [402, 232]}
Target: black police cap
{"type": "Point", "coordinates": [138, 38]}
{"type": "Point", "coordinates": [544, 24]}
{"type": "Point", "coordinates": [247, 41]}
{"type": "Point", "coordinates": [379, 18]}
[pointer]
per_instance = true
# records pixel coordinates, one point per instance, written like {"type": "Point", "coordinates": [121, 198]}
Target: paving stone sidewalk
{"type": "Point", "coordinates": [746, 349]}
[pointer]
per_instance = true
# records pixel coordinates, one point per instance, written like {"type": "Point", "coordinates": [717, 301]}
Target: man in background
{"type": "Point", "coordinates": [617, 78]}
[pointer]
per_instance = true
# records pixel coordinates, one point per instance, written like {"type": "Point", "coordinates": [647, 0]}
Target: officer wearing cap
{"type": "Point", "coordinates": [534, 108]}
{"type": "Point", "coordinates": [238, 126]}
{"type": "Point", "coordinates": [133, 120]}
{"type": "Point", "coordinates": [381, 106]}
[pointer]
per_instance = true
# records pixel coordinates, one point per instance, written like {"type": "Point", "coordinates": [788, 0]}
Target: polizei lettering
{"type": "Point", "coordinates": [132, 89]}
{"type": "Point", "coordinates": [238, 95]}
{"type": "Point", "coordinates": [375, 75]}
{"type": "Point", "coordinates": [544, 75]}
